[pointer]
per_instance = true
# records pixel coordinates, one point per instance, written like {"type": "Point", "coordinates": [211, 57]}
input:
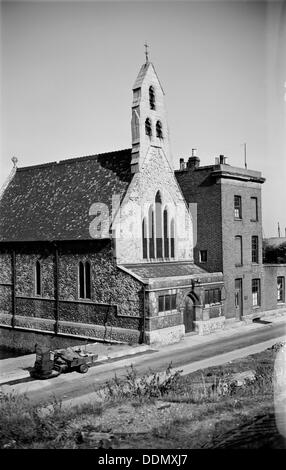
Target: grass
{"type": "Point", "coordinates": [215, 405]}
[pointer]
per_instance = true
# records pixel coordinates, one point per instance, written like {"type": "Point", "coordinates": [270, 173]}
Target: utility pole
{"type": "Point", "coordinates": [279, 234]}
{"type": "Point", "coordinates": [245, 164]}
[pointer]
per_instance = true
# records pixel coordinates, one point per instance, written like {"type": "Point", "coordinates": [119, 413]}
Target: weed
{"type": "Point", "coordinates": [147, 387]}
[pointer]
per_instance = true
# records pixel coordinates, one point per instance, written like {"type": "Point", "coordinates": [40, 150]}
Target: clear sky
{"type": "Point", "coordinates": [67, 70]}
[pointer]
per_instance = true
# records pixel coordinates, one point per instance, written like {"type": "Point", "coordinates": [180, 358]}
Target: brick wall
{"type": "Point", "coordinates": [271, 272]}
{"type": "Point", "coordinates": [198, 188]}
{"type": "Point", "coordinates": [245, 228]}
{"type": "Point", "coordinates": [217, 228]}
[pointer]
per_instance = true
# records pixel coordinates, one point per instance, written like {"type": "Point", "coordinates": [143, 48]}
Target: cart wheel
{"type": "Point", "coordinates": [83, 368]}
{"type": "Point", "coordinates": [58, 368]}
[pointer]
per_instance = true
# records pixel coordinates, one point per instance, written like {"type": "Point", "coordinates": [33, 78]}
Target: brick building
{"type": "Point", "coordinates": [229, 235]}
{"type": "Point", "coordinates": [101, 247]}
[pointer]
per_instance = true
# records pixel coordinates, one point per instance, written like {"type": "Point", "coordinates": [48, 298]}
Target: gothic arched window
{"type": "Point", "coordinates": [158, 232]}
{"type": "Point", "coordinates": [148, 127]}
{"type": "Point", "coordinates": [38, 278]}
{"type": "Point", "coordinates": [151, 233]}
{"type": "Point", "coordinates": [158, 212]}
{"type": "Point", "coordinates": [172, 238]}
{"type": "Point", "coordinates": [152, 98]}
{"type": "Point", "coordinates": [159, 132]}
{"type": "Point", "coordinates": [144, 238]}
{"type": "Point", "coordinates": [84, 280]}
{"type": "Point", "coordinates": [166, 234]}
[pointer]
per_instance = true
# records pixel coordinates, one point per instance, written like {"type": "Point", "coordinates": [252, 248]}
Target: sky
{"type": "Point", "coordinates": [67, 69]}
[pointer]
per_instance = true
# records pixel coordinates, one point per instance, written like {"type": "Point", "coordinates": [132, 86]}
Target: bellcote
{"type": "Point", "coordinates": [149, 125]}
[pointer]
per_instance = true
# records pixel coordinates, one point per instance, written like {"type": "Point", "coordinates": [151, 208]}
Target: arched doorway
{"type": "Point", "coordinates": [189, 313]}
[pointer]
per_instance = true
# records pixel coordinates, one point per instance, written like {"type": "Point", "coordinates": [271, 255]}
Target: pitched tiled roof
{"type": "Point", "coordinates": [52, 201]}
{"type": "Point", "coordinates": [165, 270]}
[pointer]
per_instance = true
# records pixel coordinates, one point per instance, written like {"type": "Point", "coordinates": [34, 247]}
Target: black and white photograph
{"type": "Point", "coordinates": [143, 229]}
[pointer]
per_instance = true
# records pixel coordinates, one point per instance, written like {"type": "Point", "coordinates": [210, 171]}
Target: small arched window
{"type": "Point", "coordinates": [84, 280]}
{"type": "Point", "coordinates": [148, 127]}
{"type": "Point", "coordinates": [159, 132]}
{"type": "Point", "coordinates": [151, 233]}
{"type": "Point", "coordinates": [38, 278]}
{"type": "Point", "coordinates": [158, 212]}
{"type": "Point", "coordinates": [166, 234]}
{"type": "Point", "coordinates": [152, 98]}
{"type": "Point", "coordinates": [144, 238]}
{"type": "Point", "coordinates": [172, 238]}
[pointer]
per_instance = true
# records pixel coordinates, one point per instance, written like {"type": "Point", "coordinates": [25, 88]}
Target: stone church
{"type": "Point", "coordinates": [101, 247]}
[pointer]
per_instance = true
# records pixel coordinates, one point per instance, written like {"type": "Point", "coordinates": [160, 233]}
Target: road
{"type": "Point", "coordinates": [190, 354]}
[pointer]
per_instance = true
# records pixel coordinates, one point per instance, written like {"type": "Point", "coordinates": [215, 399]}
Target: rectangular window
{"type": "Point", "coordinates": [238, 251]}
{"type": "Point", "coordinates": [254, 209]}
{"type": "Point", "coordinates": [280, 289]}
{"type": "Point", "coordinates": [161, 303]}
{"type": "Point", "coordinates": [237, 207]}
{"type": "Point", "coordinates": [203, 256]}
{"type": "Point", "coordinates": [173, 301]}
{"type": "Point", "coordinates": [167, 302]}
{"type": "Point", "coordinates": [256, 292]}
{"type": "Point", "coordinates": [212, 296]}
{"type": "Point", "coordinates": [254, 249]}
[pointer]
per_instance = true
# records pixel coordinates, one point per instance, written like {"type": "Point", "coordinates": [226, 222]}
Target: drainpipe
{"type": "Point", "coordinates": [56, 284]}
{"type": "Point", "coordinates": [144, 315]}
{"type": "Point", "coordinates": [13, 288]}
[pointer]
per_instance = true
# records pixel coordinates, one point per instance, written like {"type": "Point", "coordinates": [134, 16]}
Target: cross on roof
{"type": "Point", "coordinates": [146, 51]}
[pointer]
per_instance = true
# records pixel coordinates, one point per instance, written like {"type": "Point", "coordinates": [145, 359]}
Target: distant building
{"type": "Point", "coordinates": [102, 247]}
{"type": "Point", "coordinates": [275, 241]}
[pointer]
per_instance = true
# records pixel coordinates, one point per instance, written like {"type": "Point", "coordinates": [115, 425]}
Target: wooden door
{"type": "Point", "coordinates": [189, 315]}
{"type": "Point", "coordinates": [238, 298]}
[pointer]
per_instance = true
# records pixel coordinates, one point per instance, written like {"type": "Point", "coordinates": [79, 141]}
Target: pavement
{"type": "Point", "coordinates": [18, 368]}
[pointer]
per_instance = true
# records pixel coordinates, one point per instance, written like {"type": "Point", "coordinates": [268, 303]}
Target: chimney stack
{"type": "Point", "coordinates": [194, 161]}
{"type": "Point", "coordinates": [182, 164]}
{"type": "Point", "coordinates": [222, 160]}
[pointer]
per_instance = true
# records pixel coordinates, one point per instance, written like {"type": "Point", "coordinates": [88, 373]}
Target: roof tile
{"type": "Point", "coordinates": [52, 201]}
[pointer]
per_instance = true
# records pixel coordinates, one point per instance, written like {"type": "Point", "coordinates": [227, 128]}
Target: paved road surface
{"type": "Point", "coordinates": [188, 352]}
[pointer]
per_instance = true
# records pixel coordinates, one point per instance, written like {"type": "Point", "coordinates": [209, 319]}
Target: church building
{"type": "Point", "coordinates": [101, 247]}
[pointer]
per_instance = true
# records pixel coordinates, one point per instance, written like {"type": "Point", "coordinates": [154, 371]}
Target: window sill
{"type": "Point", "coordinates": [212, 305]}
{"type": "Point", "coordinates": [255, 307]}
{"type": "Point", "coordinates": [238, 265]}
{"type": "Point", "coordinates": [167, 312]}
{"type": "Point", "coordinates": [254, 220]}
{"type": "Point", "coordinates": [238, 218]}
{"type": "Point", "coordinates": [158, 260]}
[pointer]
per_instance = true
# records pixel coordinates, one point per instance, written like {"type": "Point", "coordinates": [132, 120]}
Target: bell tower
{"type": "Point", "coordinates": [149, 125]}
